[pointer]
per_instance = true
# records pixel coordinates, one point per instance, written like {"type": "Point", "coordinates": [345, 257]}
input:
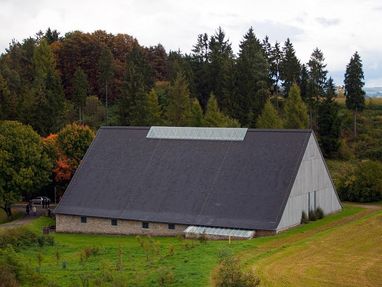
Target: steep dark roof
{"type": "Point", "coordinates": [236, 184]}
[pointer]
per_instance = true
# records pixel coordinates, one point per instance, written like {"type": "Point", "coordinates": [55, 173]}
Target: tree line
{"type": "Point", "coordinates": [99, 78]}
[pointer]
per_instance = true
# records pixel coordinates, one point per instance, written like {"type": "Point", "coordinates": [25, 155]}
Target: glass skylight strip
{"type": "Point", "coordinates": [191, 133]}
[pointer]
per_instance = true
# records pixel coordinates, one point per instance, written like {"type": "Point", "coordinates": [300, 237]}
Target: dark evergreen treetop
{"type": "Point", "coordinates": [354, 82]}
{"type": "Point", "coordinates": [289, 67]}
{"type": "Point", "coordinates": [317, 75]}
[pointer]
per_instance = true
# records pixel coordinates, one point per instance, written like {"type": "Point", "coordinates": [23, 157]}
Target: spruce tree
{"type": "Point", "coordinates": [252, 79]}
{"type": "Point", "coordinates": [106, 74]}
{"type": "Point", "coordinates": [329, 123]}
{"type": "Point", "coordinates": [215, 118]}
{"type": "Point", "coordinates": [354, 82]}
{"type": "Point", "coordinates": [269, 118]}
{"type": "Point", "coordinates": [296, 114]}
{"type": "Point", "coordinates": [275, 65]}
{"type": "Point", "coordinates": [220, 57]}
{"type": "Point", "coordinates": [137, 82]}
{"type": "Point", "coordinates": [196, 114]}
{"type": "Point", "coordinates": [153, 109]}
{"type": "Point", "coordinates": [316, 84]}
{"type": "Point", "coordinates": [178, 111]}
{"type": "Point", "coordinates": [80, 91]}
{"type": "Point", "coordinates": [200, 67]}
{"type": "Point", "coordinates": [289, 67]}
{"type": "Point", "coordinates": [47, 100]}
{"type": "Point", "coordinates": [304, 78]}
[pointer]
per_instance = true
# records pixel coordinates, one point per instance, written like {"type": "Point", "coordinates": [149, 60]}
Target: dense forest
{"type": "Point", "coordinates": [65, 87]}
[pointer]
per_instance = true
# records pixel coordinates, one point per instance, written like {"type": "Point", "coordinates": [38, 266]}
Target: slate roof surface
{"type": "Point", "coordinates": [233, 184]}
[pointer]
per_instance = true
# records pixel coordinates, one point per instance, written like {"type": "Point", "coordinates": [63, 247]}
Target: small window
{"type": "Point", "coordinates": [171, 226]}
{"type": "Point", "coordinates": [83, 219]}
{"type": "Point", "coordinates": [145, 225]}
{"type": "Point", "coordinates": [114, 222]}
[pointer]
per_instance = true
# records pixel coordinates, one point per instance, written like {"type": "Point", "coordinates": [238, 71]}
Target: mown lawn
{"type": "Point", "coordinates": [303, 256]}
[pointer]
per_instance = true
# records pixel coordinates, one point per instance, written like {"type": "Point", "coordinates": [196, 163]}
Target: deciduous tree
{"type": "Point", "coordinates": [25, 166]}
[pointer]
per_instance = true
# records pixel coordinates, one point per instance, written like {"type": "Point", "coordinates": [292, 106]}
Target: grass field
{"type": "Point", "coordinates": [348, 242]}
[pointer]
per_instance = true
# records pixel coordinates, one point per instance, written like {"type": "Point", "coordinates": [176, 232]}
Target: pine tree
{"type": "Point", "coordinates": [289, 67]}
{"type": "Point", "coordinates": [269, 118]}
{"type": "Point", "coordinates": [316, 84]}
{"type": "Point", "coordinates": [153, 109]}
{"type": "Point", "coordinates": [215, 118]}
{"type": "Point", "coordinates": [178, 112]}
{"type": "Point", "coordinates": [47, 96]}
{"type": "Point", "coordinates": [252, 76]}
{"type": "Point", "coordinates": [296, 114]}
{"type": "Point", "coordinates": [329, 123]}
{"type": "Point", "coordinates": [106, 74]}
{"type": "Point", "coordinates": [80, 89]}
{"type": "Point", "coordinates": [354, 82]}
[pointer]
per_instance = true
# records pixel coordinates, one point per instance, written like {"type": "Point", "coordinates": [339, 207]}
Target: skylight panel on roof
{"type": "Point", "coordinates": [201, 230]}
{"type": "Point", "coordinates": [191, 133]}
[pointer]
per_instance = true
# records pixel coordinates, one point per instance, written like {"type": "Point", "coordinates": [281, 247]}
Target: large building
{"type": "Point", "coordinates": [180, 180]}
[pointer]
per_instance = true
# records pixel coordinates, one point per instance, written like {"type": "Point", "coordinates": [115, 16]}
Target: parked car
{"type": "Point", "coordinates": [39, 199]}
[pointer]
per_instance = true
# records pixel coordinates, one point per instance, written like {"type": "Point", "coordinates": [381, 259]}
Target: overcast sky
{"type": "Point", "coordinates": [337, 27]}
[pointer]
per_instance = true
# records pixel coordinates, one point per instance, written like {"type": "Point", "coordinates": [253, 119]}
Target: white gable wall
{"type": "Point", "coordinates": [312, 178]}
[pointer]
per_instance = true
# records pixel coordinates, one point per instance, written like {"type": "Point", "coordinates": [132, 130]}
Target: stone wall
{"type": "Point", "coordinates": [72, 223]}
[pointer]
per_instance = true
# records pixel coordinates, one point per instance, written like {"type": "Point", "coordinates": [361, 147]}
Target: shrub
{"type": "Point", "coordinates": [18, 238]}
{"type": "Point", "coordinates": [312, 215]}
{"type": "Point", "coordinates": [45, 240]}
{"type": "Point", "coordinates": [165, 276]}
{"type": "Point", "coordinates": [319, 213]}
{"type": "Point", "coordinates": [7, 277]}
{"type": "Point", "coordinates": [364, 184]}
{"type": "Point", "coordinates": [304, 218]}
{"type": "Point", "coordinates": [230, 274]}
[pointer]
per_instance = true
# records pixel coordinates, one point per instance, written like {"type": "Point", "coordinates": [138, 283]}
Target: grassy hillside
{"type": "Point", "coordinates": [303, 256]}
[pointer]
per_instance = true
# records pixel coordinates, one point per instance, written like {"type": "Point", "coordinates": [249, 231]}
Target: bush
{"type": "Point", "coordinates": [18, 238]}
{"type": "Point", "coordinates": [45, 240]}
{"type": "Point", "coordinates": [364, 184]}
{"type": "Point", "coordinates": [304, 218]}
{"type": "Point", "coordinates": [319, 213]}
{"type": "Point", "coordinates": [230, 274]}
{"type": "Point", "coordinates": [8, 277]}
{"type": "Point", "coordinates": [312, 215]}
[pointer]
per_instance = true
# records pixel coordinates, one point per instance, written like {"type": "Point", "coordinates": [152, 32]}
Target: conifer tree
{"type": "Point", "coordinates": [200, 66]}
{"type": "Point", "coordinates": [316, 84]}
{"type": "Point", "coordinates": [252, 76]}
{"type": "Point", "coordinates": [220, 57]}
{"type": "Point", "coordinates": [354, 82]}
{"type": "Point", "coordinates": [196, 114]}
{"type": "Point", "coordinates": [269, 118]}
{"type": "Point", "coordinates": [304, 78]}
{"type": "Point", "coordinates": [328, 121]}
{"type": "Point", "coordinates": [289, 67]}
{"type": "Point", "coordinates": [106, 74]}
{"type": "Point", "coordinates": [153, 109]}
{"type": "Point", "coordinates": [295, 110]}
{"type": "Point", "coordinates": [7, 102]}
{"type": "Point", "coordinates": [47, 96]}
{"type": "Point", "coordinates": [215, 118]}
{"type": "Point", "coordinates": [178, 111]}
{"type": "Point", "coordinates": [80, 90]}
{"type": "Point", "coordinates": [275, 65]}
{"type": "Point", "coordinates": [133, 102]}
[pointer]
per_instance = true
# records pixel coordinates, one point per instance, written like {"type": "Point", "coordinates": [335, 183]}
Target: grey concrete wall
{"type": "Point", "coordinates": [312, 176]}
{"type": "Point", "coordinates": [71, 223]}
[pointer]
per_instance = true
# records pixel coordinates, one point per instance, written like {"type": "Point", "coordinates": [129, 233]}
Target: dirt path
{"type": "Point", "coordinates": [24, 220]}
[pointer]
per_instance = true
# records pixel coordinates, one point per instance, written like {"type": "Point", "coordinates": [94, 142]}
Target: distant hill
{"type": "Point", "coordinates": [374, 92]}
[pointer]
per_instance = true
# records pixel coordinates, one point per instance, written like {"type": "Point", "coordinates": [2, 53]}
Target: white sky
{"type": "Point", "coordinates": [337, 27]}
